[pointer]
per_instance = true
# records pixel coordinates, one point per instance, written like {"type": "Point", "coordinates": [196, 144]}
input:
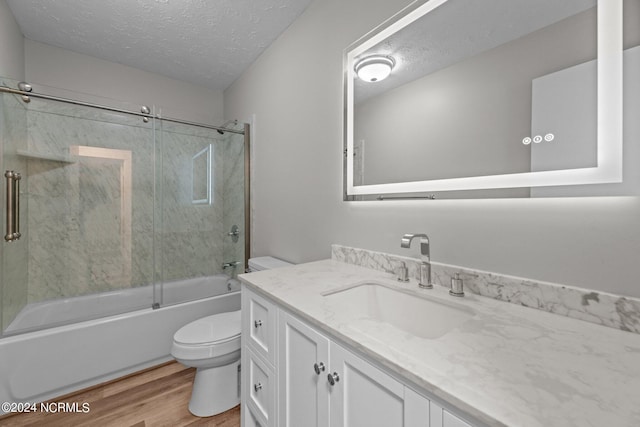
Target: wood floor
{"type": "Point", "coordinates": [155, 397]}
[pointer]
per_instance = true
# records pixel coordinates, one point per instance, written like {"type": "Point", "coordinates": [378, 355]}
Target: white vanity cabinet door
{"type": "Point", "coordinates": [416, 409]}
{"type": "Point", "coordinates": [362, 395]}
{"type": "Point", "coordinates": [303, 357]}
{"type": "Point", "coordinates": [259, 324]}
{"type": "Point", "coordinates": [443, 418]}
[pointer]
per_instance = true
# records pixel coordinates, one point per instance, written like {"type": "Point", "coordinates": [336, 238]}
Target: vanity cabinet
{"type": "Point", "coordinates": [258, 371]}
{"type": "Point", "coordinates": [323, 384]}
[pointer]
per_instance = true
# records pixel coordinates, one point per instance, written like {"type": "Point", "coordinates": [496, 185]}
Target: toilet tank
{"type": "Point", "coordinates": [266, 263]}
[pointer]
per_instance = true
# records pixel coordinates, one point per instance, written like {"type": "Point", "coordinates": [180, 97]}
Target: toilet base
{"type": "Point", "coordinates": [215, 390]}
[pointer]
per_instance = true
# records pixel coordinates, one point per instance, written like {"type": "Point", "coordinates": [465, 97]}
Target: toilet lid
{"type": "Point", "coordinates": [219, 327]}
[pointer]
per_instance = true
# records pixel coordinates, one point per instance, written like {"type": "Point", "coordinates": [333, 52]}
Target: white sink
{"type": "Point", "coordinates": [411, 313]}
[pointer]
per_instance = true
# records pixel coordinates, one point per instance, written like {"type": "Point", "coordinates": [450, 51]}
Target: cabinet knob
{"type": "Point", "coordinates": [257, 387]}
{"type": "Point", "coordinates": [318, 368]}
{"type": "Point", "coordinates": [257, 323]}
{"type": "Point", "coordinates": [333, 378]}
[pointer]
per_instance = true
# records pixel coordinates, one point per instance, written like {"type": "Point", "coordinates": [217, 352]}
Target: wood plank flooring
{"type": "Point", "coordinates": [155, 397]}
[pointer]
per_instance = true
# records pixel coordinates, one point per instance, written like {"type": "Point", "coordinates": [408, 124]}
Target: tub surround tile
{"type": "Point", "coordinates": [602, 308]}
{"type": "Point", "coordinates": [13, 257]}
{"type": "Point", "coordinates": [506, 366]}
{"type": "Point", "coordinates": [75, 212]}
{"type": "Point", "coordinates": [76, 241]}
{"type": "Point", "coordinates": [74, 218]}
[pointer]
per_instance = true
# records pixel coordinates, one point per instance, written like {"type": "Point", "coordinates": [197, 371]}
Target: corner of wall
{"type": "Point", "coordinates": [11, 45]}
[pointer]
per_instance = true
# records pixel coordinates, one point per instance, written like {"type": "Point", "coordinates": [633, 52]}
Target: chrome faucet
{"type": "Point", "coordinates": [233, 265]}
{"type": "Point", "coordinates": [425, 257]}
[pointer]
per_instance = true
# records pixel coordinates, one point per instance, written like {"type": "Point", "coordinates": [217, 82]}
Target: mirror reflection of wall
{"type": "Point", "coordinates": [468, 118]}
{"type": "Point", "coordinates": [475, 84]}
{"type": "Point", "coordinates": [201, 176]}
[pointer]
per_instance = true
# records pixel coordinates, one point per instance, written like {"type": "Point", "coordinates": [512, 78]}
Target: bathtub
{"type": "Point", "coordinates": [41, 365]}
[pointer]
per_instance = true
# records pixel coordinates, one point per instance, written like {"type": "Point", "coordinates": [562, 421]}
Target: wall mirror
{"type": "Point", "coordinates": [499, 97]}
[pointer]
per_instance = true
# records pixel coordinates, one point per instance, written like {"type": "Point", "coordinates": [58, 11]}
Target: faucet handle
{"type": "Point", "coordinates": [403, 272]}
{"type": "Point", "coordinates": [457, 286]}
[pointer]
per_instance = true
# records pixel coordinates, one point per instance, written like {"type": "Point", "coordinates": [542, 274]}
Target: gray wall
{"type": "Point", "coordinates": [295, 91]}
{"type": "Point", "coordinates": [60, 68]}
{"type": "Point", "coordinates": [11, 45]}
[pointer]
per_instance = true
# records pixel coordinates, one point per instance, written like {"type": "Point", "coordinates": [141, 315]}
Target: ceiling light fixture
{"type": "Point", "coordinates": [374, 68]}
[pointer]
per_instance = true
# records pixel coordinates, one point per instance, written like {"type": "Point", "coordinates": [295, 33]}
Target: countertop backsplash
{"type": "Point", "coordinates": [602, 308]}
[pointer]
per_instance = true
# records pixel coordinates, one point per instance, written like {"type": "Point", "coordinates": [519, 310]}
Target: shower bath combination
{"type": "Point", "coordinates": [105, 222]}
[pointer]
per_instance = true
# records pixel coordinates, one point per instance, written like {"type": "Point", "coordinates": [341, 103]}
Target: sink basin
{"type": "Point", "coordinates": [385, 306]}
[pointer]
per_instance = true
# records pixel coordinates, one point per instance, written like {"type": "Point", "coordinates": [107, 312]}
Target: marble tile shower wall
{"type": "Point", "coordinates": [13, 126]}
{"type": "Point", "coordinates": [610, 310]}
{"type": "Point", "coordinates": [76, 207]}
{"type": "Point", "coordinates": [79, 241]}
{"type": "Point", "coordinates": [191, 234]}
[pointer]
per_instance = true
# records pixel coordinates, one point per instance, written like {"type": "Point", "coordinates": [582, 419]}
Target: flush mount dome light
{"type": "Point", "coordinates": [374, 68]}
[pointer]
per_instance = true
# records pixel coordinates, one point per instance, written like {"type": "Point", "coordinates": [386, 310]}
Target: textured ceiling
{"type": "Point", "coordinates": [458, 30]}
{"type": "Point", "coordinates": [206, 42]}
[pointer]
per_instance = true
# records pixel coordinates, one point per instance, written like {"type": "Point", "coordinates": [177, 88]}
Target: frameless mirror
{"type": "Point", "coordinates": [498, 94]}
{"type": "Point", "coordinates": [201, 177]}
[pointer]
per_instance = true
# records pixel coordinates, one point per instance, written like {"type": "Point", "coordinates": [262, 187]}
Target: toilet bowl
{"type": "Point", "coordinates": [212, 346]}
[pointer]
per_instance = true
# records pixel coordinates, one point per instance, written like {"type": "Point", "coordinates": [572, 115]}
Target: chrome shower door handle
{"type": "Point", "coordinates": [12, 206]}
{"type": "Point", "coordinates": [16, 195]}
{"type": "Point", "coordinates": [9, 177]}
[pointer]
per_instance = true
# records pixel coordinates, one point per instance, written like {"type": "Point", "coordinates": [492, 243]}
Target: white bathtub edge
{"type": "Point", "coordinates": [41, 365]}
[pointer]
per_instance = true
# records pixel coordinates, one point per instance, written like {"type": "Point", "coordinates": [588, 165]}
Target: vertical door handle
{"type": "Point", "coordinates": [16, 195]}
{"type": "Point", "coordinates": [13, 206]}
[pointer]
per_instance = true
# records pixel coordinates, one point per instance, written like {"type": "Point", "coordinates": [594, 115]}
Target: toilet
{"type": "Point", "coordinates": [266, 263]}
{"type": "Point", "coordinates": [212, 346]}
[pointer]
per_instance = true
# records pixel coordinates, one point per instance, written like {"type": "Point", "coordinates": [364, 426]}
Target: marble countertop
{"type": "Point", "coordinates": [506, 366]}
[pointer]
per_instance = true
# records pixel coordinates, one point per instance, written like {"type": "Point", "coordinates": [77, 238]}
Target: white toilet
{"type": "Point", "coordinates": [266, 263]}
{"type": "Point", "coordinates": [212, 345]}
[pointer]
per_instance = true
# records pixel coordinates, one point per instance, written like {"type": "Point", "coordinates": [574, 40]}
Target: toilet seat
{"type": "Point", "coordinates": [211, 336]}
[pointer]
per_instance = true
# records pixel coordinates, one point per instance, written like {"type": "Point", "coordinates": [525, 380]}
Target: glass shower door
{"type": "Point", "coordinates": [200, 200]}
{"type": "Point", "coordinates": [13, 250]}
{"type": "Point", "coordinates": [86, 214]}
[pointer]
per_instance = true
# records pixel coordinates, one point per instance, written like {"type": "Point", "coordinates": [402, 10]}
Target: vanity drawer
{"type": "Point", "coordinates": [250, 417]}
{"type": "Point", "coordinates": [259, 324]}
{"type": "Point", "coordinates": [261, 384]}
